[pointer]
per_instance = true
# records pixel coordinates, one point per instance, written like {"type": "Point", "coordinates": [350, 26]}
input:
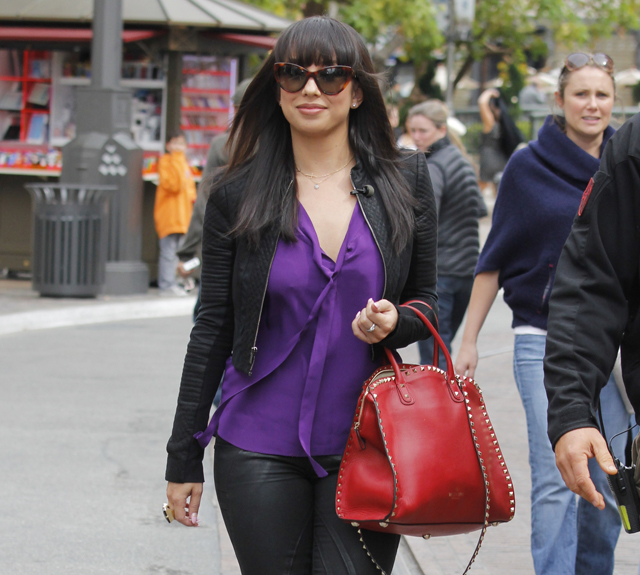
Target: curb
{"type": "Point", "coordinates": [99, 313]}
{"type": "Point", "coordinates": [406, 562]}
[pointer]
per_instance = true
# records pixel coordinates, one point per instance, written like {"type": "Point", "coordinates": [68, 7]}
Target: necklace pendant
{"type": "Point", "coordinates": [316, 186]}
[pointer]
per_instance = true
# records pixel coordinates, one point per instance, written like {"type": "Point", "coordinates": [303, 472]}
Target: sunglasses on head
{"type": "Point", "coordinates": [580, 60]}
{"type": "Point", "coordinates": [331, 80]}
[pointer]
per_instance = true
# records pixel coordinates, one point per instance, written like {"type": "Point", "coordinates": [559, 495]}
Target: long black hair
{"type": "Point", "coordinates": [261, 133]}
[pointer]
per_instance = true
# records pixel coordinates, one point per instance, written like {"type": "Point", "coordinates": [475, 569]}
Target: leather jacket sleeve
{"type": "Point", "coordinates": [422, 274]}
{"type": "Point", "coordinates": [209, 347]}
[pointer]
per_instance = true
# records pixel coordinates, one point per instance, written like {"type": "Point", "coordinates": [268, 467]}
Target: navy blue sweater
{"type": "Point", "coordinates": [539, 196]}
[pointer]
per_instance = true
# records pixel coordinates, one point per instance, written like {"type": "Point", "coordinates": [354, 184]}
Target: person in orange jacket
{"type": "Point", "coordinates": [175, 196]}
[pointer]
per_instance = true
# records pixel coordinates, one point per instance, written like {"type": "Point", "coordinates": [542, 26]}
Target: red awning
{"type": "Point", "coordinates": [23, 34]}
{"type": "Point", "coordinates": [265, 42]}
{"type": "Point", "coordinates": [32, 33]}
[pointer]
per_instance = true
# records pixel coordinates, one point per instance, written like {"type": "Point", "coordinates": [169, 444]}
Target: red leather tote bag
{"type": "Point", "coordinates": [422, 457]}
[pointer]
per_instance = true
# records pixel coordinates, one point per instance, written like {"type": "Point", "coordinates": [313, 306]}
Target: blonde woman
{"type": "Point", "coordinates": [538, 198]}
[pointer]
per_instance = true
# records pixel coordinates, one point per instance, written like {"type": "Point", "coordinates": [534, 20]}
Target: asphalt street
{"type": "Point", "coordinates": [85, 414]}
{"type": "Point", "coordinates": [84, 419]}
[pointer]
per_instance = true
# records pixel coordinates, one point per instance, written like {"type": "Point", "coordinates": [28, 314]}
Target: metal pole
{"type": "Point", "coordinates": [106, 45]}
{"type": "Point", "coordinates": [174, 92]}
{"type": "Point", "coordinates": [451, 53]}
{"type": "Point", "coordinates": [104, 153]}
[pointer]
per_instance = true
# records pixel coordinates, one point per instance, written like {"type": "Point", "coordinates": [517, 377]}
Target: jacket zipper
{"type": "Point", "coordinates": [384, 264]}
{"type": "Point", "coordinates": [366, 219]}
{"type": "Point", "coordinates": [254, 349]}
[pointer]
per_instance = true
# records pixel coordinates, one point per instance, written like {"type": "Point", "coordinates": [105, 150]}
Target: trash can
{"type": "Point", "coordinates": [69, 238]}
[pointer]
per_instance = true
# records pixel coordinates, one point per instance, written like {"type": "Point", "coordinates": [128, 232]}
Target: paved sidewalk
{"type": "Point", "coordinates": [22, 309]}
{"type": "Point", "coordinates": [506, 548]}
{"type": "Point", "coordinates": [84, 416]}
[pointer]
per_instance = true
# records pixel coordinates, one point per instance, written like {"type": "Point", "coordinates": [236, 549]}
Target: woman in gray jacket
{"type": "Point", "coordinates": [460, 206]}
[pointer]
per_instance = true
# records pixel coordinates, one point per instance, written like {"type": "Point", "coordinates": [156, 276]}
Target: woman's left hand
{"type": "Point", "coordinates": [381, 314]}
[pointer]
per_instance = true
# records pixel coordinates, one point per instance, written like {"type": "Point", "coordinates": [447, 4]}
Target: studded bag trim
{"type": "Point", "coordinates": [422, 456]}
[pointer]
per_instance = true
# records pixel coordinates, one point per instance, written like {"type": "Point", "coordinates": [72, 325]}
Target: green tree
{"type": "Point", "coordinates": [385, 24]}
{"type": "Point", "coordinates": [509, 28]}
{"type": "Point", "coordinates": [410, 24]}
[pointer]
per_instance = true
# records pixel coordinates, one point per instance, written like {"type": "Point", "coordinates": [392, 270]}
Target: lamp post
{"type": "Point", "coordinates": [103, 152]}
{"type": "Point", "coordinates": [457, 26]}
{"type": "Point", "coordinates": [451, 54]}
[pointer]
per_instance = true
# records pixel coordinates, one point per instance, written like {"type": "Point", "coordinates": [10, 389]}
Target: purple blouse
{"type": "Point", "coordinates": [309, 368]}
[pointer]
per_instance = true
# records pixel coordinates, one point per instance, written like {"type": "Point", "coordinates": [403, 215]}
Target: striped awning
{"type": "Point", "coordinates": [229, 14]}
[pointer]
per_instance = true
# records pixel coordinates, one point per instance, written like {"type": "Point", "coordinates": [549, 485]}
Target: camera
{"type": "Point", "coordinates": [624, 489]}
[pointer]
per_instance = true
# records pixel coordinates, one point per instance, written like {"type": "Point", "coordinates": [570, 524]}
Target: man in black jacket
{"type": "Point", "coordinates": [594, 309]}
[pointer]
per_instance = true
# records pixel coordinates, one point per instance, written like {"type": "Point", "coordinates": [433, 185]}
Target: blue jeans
{"type": "Point", "coordinates": [568, 537]}
{"type": "Point", "coordinates": [453, 300]}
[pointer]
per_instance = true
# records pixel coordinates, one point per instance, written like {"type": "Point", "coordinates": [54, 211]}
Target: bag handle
{"type": "Point", "coordinates": [436, 348]}
{"type": "Point", "coordinates": [454, 386]}
{"type": "Point", "coordinates": [437, 340]}
{"type": "Point", "coordinates": [439, 344]}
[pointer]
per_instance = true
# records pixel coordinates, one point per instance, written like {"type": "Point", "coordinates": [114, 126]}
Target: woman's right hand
{"type": "Point", "coordinates": [467, 360]}
{"type": "Point", "coordinates": [177, 495]}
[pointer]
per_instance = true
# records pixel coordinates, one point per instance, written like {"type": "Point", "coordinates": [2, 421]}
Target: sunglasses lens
{"type": "Point", "coordinates": [603, 61]}
{"type": "Point", "coordinates": [577, 60]}
{"type": "Point", "coordinates": [291, 78]}
{"type": "Point", "coordinates": [332, 80]}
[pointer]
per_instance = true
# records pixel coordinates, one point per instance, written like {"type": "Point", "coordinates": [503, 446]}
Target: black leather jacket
{"type": "Point", "coordinates": [595, 302]}
{"type": "Point", "coordinates": [234, 283]}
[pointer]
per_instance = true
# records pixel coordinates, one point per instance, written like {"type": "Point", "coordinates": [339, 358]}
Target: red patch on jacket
{"type": "Point", "coordinates": [585, 197]}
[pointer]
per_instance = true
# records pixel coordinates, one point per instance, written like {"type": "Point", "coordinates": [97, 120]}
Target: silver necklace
{"type": "Point", "coordinates": [324, 177]}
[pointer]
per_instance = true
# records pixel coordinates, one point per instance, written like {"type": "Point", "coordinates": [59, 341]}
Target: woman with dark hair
{"type": "Point", "coordinates": [315, 234]}
{"type": "Point", "coordinates": [499, 138]}
{"type": "Point", "coordinates": [538, 198]}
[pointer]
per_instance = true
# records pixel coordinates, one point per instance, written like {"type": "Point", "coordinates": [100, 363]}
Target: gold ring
{"type": "Point", "coordinates": [168, 513]}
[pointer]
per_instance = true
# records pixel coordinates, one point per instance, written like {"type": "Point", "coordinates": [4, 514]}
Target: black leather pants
{"type": "Point", "coordinates": [281, 517]}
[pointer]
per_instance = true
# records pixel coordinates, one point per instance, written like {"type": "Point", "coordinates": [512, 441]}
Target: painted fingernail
{"type": "Point", "coordinates": [194, 519]}
{"type": "Point", "coordinates": [358, 315]}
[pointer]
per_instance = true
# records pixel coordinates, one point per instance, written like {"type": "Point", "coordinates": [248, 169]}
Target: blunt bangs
{"type": "Point", "coordinates": [321, 41]}
{"type": "Point", "coordinates": [261, 145]}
